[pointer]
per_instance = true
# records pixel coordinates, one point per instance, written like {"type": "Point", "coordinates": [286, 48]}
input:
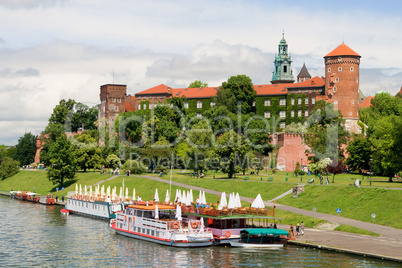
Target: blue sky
{"type": "Point", "coordinates": [50, 50]}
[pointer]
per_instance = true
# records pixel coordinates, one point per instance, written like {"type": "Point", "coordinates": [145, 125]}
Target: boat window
{"type": "Point", "coordinates": [147, 231]}
{"type": "Point", "coordinates": [153, 233]}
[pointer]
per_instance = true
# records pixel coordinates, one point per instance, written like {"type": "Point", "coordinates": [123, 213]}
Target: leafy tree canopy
{"type": "Point", "coordinates": [197, 84]}
{"type": "Point", "coordinates": [26, 149]}
{"type": "Point", "coordinates": [8, 167]}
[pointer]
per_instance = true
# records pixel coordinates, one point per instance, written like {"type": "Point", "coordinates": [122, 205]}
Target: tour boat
{"type": "Point", "coordinates": [33, 197]}
{"type": "Point", "coordinates": [261, 238]}
{"type": "Point", "coordinates": [21, 195]}
{"type": "Point", "coordinates": [227, 224]}
{"type": "Point", "coordinates": [103, 208]}
{"type": "Point", "coordinates": [157, 223]}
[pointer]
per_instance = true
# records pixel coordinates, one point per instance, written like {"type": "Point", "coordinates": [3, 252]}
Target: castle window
{"type": "Point", "coordinates": [334, 89]}
{"type": "Point", "coordinates": [186, 105]}
{"type": "Point", "coordinates": [267, 103]}
{"type": "Point", "coordinates": [282, 102]}
{"type": "Point", "coordinates": [282, 114]}
{"type": "Point", "coordinates": [352, 69]}
{"type": "Point", "coordinates": [282, 125]}
{"type": "Point", "coordinates": [199, 115]}
{"type": "Point", "coordinates": [312, 100]}
{"type": "Point", "coordinates": [335, 102]}
{"type": "Point", "coordinates": [299, 101]}
{"type": "Point", "coordinates": [339, 58]}
{"type": "Point", "coordinates": [292, 101]}
{"type": "Point", "coordinates": [292, 113]}
{"type": "Point", "coordinates": [350, 113]}
{"type": "Point", "coordinates": [337, 79]}
{"type": "Point", "coordinates": [306, 113]}
{"type": "Point", "coordinates": [306, 101]}
{"type": "Point", "coordinates": [116, 108]}
{"type": "Point", "coordinates": [114, 99]}
{"type": "Point", "coordinates": [212, 104]}
{"type": "Point", "coordinates": [150, 106]}
{"type": "Point", "coordinates": [329, 70]}
{"type": "Point", "coordinates": [313, 90]}
{"type": "Point", "coordinates": [353, 102]}
{"type": "Point", "coordinates": [199, 104]}
{"type": "Point", "coordinates": [267, 114]}
{"type": "Point", "coordinates": [103, 108]}
{"type": "Point", "coordinates": [144, 106]}
{"type": "Point", "coordinates": [357, 80]}
{"type": "Point", "coordinates": [119, 100]}
{"type": "Point", "coordinates": [339, 69]}
{"type": "Point", "coordinates": [139, 98]}
{"type": "Point", "coordinates": [299, 113]}
{"type": "Point", "coordinates": [139, 106]}
{"type": "Point", "coordinates": [161, 97]}
{"type": "Point", "coordinates": [306, 91]}
{"type": "Point", "coordinates": [253, 103]}
{"type": "Point", "coordinates": [285, 69]}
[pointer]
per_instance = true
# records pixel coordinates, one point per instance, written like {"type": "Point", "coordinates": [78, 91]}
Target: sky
{"type": "Point", "coordinates": [66, 49]}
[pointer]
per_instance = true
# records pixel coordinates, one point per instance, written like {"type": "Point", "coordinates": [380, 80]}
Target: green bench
{"type": "Point", "coordinates": [271, 179]}
{"type": "Point", "coordinates": [246, 178]}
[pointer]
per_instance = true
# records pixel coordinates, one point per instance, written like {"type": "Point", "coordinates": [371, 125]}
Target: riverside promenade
{"type": "Point", "coordinates": [388, 246]}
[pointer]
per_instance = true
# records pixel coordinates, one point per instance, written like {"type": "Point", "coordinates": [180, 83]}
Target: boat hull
{"type": "Point", "coordinates": [252, 245]}
{"type": "Point", "coordinates": [165, 242]}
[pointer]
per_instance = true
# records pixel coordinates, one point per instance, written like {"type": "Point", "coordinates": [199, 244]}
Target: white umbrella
{"type": "Point", "coordinates": [237, 201]}
{"type": "Point", "coordinates": [223, 202]}
{"type": "Point", "coordinates": [134, 194]}
{"type": "Point", "coordinates": [156, 197]}
{"type": "Point", "coordinates": [183, 198]}
{"type": "Point", "coordinates": [76, 188]}
{"type": "Point", "coordinates": [156, 212]}
{"type": "Point", "coordinates": [202, 222]}
{"type": "Point", "coordinates": [90, 190]}
{"type": "Point", "coordinates": [178, 212]}
{"type": "Point", "coordinates": [80, 189]}
{"type": "Point", "coordinates": [177, 195]}
{"type": "Point", "coordinates": [231, 204]}
{"type": "Point", "coordinates": [258, 203]}
{"type": "Point", "coordinates": [200, 198]}
{"type": "Point", "coordinates": [85, 190]}
{"type": "Point", "coordinates": [204, 201]}
{"type": "Point", "coordinates": [191, 196]}
{"type": "Point", "coordinates": [167, 198]}
{"type": "Point", "coordinates": [121, 192]}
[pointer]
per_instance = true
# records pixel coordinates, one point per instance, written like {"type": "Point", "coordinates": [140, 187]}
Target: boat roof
{"type": "Point", "coordinates": [152, 207]}
{"type": "Point", "coordinates": [265, 231]}
{"type": "Point", "coordinates": [235, 216]}
{"type": "Point", "coordinates": [33, 194]}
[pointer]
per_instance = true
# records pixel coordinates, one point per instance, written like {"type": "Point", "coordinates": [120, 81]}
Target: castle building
{"type": "Point", "coordinates": [283, 98]}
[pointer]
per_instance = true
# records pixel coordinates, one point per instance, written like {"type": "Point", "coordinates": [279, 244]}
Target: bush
{"type": "Point", "coordinates": [8, 167]}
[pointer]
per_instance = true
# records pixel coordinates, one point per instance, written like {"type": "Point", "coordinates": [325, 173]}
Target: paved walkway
{"type": "Point", "coordinates": [389, 244]}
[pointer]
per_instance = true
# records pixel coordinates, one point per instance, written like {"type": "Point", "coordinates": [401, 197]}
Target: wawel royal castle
{"type": "Point", "coordinates": [284, 98]}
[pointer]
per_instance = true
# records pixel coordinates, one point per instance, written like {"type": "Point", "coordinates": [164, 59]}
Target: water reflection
{"type": "Point", "coordinates": [38, 235]}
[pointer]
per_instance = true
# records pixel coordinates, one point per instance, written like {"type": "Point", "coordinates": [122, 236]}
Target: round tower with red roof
{"type": "Point", "coordinates": [342, 83]}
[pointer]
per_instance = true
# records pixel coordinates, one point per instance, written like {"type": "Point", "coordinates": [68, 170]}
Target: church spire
{"type": "Point", "coordinates": [282, 72]}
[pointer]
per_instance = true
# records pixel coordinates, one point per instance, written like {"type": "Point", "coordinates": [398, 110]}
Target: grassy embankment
{"type": "Point", "coordinates": [356, 203]}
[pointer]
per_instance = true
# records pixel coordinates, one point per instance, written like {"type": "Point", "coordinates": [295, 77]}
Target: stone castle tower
{"type": "Point", "coordinates": [113, 99]}
{"type": "Point", "coordinates": [342, 83]}
{"type": "Point", "coordinates": [283, 70]}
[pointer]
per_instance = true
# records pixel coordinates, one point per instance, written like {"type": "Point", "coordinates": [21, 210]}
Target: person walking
{"type": "Point", "coordinates": [291, 231]}
{"type": "Point", "coordinates": [302, 228]}
{"type": "Point", "coordinates": [297, 229]}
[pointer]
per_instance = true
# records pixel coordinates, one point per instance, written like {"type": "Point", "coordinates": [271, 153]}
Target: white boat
{"type": "Point", "coordinates": [102, 208]}
{"type": "Point", "coordinates": [261, 238]}
{"type": "Point", "coordinates": [157, 223]}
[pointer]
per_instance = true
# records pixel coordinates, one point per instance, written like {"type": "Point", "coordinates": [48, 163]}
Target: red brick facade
{"type": "Point", "coordinates": [113, 99]}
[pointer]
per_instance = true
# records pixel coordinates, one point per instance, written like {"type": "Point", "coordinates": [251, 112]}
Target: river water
{"type": "Point", "coordinates": [38, 235]}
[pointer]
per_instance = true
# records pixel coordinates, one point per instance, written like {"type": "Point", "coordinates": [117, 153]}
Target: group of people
{"type": "Point", "coordinates": [295, 232]}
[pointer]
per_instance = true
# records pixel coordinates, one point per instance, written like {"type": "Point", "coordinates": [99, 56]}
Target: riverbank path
{"type": "Point", "coordinates": [389, 244]}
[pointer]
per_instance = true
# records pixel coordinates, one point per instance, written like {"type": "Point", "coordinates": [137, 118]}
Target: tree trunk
{"type": "Point", "coordinates": [390, 179]}
{"type": "Point", "coordinates": [333, 178]}
{"type": "Point", "coordinates": [230, 175]}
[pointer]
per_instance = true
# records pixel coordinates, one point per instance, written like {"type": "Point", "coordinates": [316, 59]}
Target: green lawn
{"type": "Point", "coordinates": [355, 203]}
{"type": "Point", "coordinates": [355, 230]}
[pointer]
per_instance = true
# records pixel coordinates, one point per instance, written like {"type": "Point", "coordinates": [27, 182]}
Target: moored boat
{"type": "Point", "coordinates": [158, 224]}
{"type": "Point", "coordinates": [33, 197]}
{"type": "Point", "coordinates": [261, 238]}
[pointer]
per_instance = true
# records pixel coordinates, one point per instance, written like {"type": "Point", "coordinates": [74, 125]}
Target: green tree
{"type": "Point", "coordinates": [325, 134]}
{"type": "Point", "coordinates": [360, 152]}
{"type": "Point", "coordinates": [199, 139]}
{"type": "Point", "coordinates": [112, 161]}
{"type": "Point", "coordinates": [63, 161]}
{"type": "Point", "coordinates": [8, 167]}
{"type": "Point", "coordinates": [238, 90]}
{"type": "Point", "coordinates": [231, 151]}
{"type": "Point", "coordinates": [88, 154]}
{"type": "Point", "coordinates": [26, 149]}
{"type": "Point", "coordinates": [258, 135]}
{"type": "Point", "coordinates": [135, 166]}
{"type": "Point", "coordinates": [197, 84]}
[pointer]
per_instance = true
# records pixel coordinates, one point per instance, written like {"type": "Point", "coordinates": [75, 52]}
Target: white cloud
{"type": "Point", "coordinates": [52, 50]}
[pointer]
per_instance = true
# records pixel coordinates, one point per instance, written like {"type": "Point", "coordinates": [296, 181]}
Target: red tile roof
{"type": "Point", "coordinates": [156, 90]}
{"type": "Point", "coordinates": [342, 50]}
{"type": "Point", "coordinates": [191, 93]}
{"type": "Point", "coordinates": [129, 107]}
{"type": "Point", "coordinates": [366, 102]}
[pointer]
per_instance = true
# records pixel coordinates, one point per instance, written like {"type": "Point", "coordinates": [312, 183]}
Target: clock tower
{"type": "Point", "coordinates": [282, 72]}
